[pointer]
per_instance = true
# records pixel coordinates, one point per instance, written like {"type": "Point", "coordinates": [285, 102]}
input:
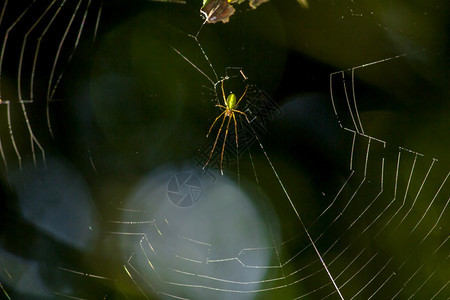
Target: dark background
{"type": "Point", "coordinates": [128, 103]}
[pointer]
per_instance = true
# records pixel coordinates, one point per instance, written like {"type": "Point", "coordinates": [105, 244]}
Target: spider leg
{"type": "Point", "coordinates": [215, 142]}
{"type": "Point", "coordinates": [224, 98]}
{"type": "Point", "coordinates": [235, 131]}
{"type": "Point", "coordinates": [221, 106]}
{"type": "Point", "coordinates": [214, 123]}
{"type": "Point", "coordinates": [223, 146]}
{"type": "Point", "coordinates": [238, 111]}
{"type": "Point", "coordinates": [246, 88]}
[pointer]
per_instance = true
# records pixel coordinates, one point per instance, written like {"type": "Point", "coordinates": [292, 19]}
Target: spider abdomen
{"type": "Point", "coordinates": [231, 101]}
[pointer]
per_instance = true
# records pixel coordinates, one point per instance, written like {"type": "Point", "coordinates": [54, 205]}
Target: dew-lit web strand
{"type": "Point", "coordinates": [97, 23]}
{"type": "Point", "coordinates": [238, 291]}
{"type": "Point", "coordinates": [128, 264]}
{"type": "Point", "coordinates": [348, 202]}
{"type": "Point", "coordinates": [436, 223]}
{"type": "Point", "coordinates": [348, 102]}
{"type": "Point", "coordinates": [131, 276]}
{"type": "Point", "coordinates": [50, 82]}
{"type": "Point", "coordinates": [418, 193]}
{"type": "Point", "coordinates": [270, 227]}
{"type": "Point", "coordinates": [334, 199]}
{"type": "Point", "coordinates": [407, 281]}
{"type": "Point", "coordinates": [359, 216]}
{"type": "Point", "coordinates": [429, 206]}
{"type": "Point", "coordinates": [206, 287]}
{"type": "Point", "coordinates": [359, 270]}
{"type": "Point", "coordinates": [295, 210]}
{"type": "Point", "coordinates": [312, 292]}
{"type": "Point", "coordinates": [381, 286]}
{"type": "Point", "coordinates": [55, 86]}
{"type": "Point", "coordinates": [221, 260]}
{"type": "Point", "coordinates": [38, 47]}
{"type": "Point", "coordinates": [11, 134]}
{"type": "Point", "coordinates": [374, 199]}
{"type": "Point", "coordinates": [204, 276]}
{"type": "Point", "coordinates": [354, 135]}
{"type": "Point", "coordinates": [1, 20]}
{"type": "Point", "coordinates": [19, 86]}
{"type": "Point", "coordinates": [373, 278]}
{"type": "Point", "coordinates": [192, 64]}
{"type": "Point", "coordinates": [172, 296]}
{"type": "Point", "coordinates": [21, 101]}
{"type": "Point", "coordinates": [440, 290]}
{"type": "Point", "coordinates": [348, 264]}
{"type": "Point", "coordinates": [4, 292]}
{"type": "Point", "coordinates": [83, 275]}
{"type": "Point", "coordinates": [428, 278]}
{"type": "Point", "coordinates": [67, 296]}
{"type": "Point", "coordinates": [144, 237]}
{"type": "Point", "coordinates": [440, 265]}
{"type": "Point", "coordinates": [417, 245]}
{"type": "Point", "coordinates": [80, 31]}
{"type": "Point", "coordinates": [395, 191]}
{"type": "Point", "coordinates": [91, 161]}
{"type": "Point", "coordinates": [409, 180]}
{"type": "Point", "coordinates": [354, 99]}
{"type": "Point", "coordinates": [206, 56]}
{"type": "Point", "coordinates": [395, 195]}
{"type": "Point", "coordinates": [231, 281]}
{"type": "Point", "coordinates": [422, 239]}
{"type": "Point", "coordinates": [195, 37]}
{"type": "Point", "coordinates": [358, 129]}
{"type": "Point", "coordinates": [2, 153]}
{"type": "Point", "coordinates": [33, 139]}
{"type": "Point", "coordinates": [351, 225]}
{"type": "Point", "coordinates": [7, 102]}
{"type": "Point", "coordinates": [353, 276]}
{"type": "Point", "coordinates": [352, 172]}
{"type": "Point", "coordinates": [6, 36]}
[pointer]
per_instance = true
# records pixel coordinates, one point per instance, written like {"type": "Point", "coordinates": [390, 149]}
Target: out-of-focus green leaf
{"type": "Point", "coordinates": [255, 3]}
{"type": "Point", "coordinates": [303, 3]}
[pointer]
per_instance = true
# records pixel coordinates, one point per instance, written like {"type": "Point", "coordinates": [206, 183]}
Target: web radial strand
{"type": "Point", "coordinates": [295, 210]}
{"type": "Point", "coordinates": [52, 86]}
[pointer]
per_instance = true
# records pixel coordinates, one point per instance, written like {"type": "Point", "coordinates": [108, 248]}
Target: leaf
{"type": "Point", "coordinates": [217, 11]}
{"type": "Point", "coordinates": [255, 3]}
{"type": "Point", "coordinates": [303, 3]}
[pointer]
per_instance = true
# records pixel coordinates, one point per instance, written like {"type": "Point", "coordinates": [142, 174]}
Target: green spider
{"type": "Point", "coordinates": [229, 111]}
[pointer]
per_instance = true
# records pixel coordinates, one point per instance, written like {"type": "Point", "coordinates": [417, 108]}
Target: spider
{"type": "Point", "coordinates": [229, 111]}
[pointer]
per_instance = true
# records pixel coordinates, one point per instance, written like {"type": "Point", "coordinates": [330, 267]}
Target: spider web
{"type": "Point", "coordinates": [368, 220]}
{"type": "Point", "coordinates": [31, 31]}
